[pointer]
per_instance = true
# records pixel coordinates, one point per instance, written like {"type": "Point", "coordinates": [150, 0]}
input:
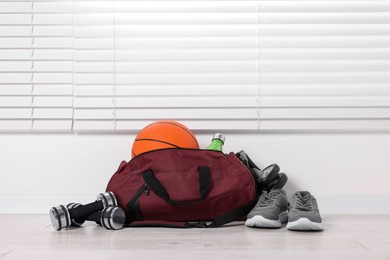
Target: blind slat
{"type": "Point", "coordinates": [135, 19]}
{"type": "Point", "coordinates": [132, 90]}
{"type": "Point", "coordinates": [173, 102]}
{"type": "Point", "coordinates": [230, 66]}
{"type": "Point", "coordinates": [125, 125]}
{"type": "Point", "coordinates": [155, 114]}
{"type": "Point", "coordinates": [230, 6]}
{"type": "Point", "coordinates": [325, 125]}
{"type": "Point", "coordinates": [325, 113]}
{"type": "Point", "coordinates": [210, 54]}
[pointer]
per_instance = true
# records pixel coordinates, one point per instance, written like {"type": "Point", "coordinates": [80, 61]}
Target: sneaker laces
{"type": "Point", "coordinates": [267, 199]}
{"type": "Point", "coordinates": [304, 201]}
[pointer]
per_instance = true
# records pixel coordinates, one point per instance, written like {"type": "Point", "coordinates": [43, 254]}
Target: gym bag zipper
{"type": "Point", "coordinates": [133, 209]}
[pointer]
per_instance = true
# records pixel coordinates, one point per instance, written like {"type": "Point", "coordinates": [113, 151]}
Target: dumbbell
{"type": "Point", "coordinates": [268, 175]}
{"type": "Point", "coordinates": [271, 179]}
{"type": "Point", "coordinates": [110, 217]}
{"type": "Point", "coordinates": [278, 183]}
{"type": "Point", "coordinates": [61, 217]}
{"type": "Point", "coordinates": [263, 177]}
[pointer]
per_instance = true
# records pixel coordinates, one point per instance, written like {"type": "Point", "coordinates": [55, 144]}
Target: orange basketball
{"type": "Point", "coordinates": [163, 134]}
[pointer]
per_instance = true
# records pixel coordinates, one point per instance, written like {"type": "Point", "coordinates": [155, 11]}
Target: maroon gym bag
{"type": "Point", "coordinates": [184, 188]}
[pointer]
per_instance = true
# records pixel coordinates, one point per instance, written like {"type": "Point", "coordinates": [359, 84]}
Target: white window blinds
{"type": "Point", "coordinates": [324, 65]}
{"type": "Point", "coordinates": [36, 65]}
{"type": "Point", "coordinates": [230, 65]}
{"type": "Point", "coordinates": [140, 61]}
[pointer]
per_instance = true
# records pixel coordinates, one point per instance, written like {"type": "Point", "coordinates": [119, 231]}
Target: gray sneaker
{"type": "Point", "coordinates": [270, 210]}
{"type": "Point", "coordinates": [304, 213]}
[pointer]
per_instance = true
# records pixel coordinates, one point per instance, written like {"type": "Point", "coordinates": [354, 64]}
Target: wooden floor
{"type": "Point", "coordinates": [345, 237]}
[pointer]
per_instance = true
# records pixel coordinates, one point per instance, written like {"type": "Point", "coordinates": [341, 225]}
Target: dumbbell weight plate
{"type": "Point", "coordinates": [278, 183]}
{"type": "Point", "coordinates": [282, 180]}
{"type": "Point", "coordinates": [112, 218]}
{"type": "Point", "coordinates": [60, 217]}
{"type": "Point", "coordinates": [108, 199]}
{"type": "Point", "coordinates": [75, 222]}
{"type": "Point", "coordinates": [270, 173]}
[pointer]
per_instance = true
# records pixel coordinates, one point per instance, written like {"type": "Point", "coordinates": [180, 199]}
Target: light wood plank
{"type": "Point", "coordinates": [4, 253]}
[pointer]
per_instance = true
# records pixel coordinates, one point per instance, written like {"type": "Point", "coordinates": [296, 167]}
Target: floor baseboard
{"type": "Point", "coordinates": [328, 204]}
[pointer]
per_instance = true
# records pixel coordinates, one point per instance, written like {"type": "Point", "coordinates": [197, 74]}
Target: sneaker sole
{"type": "Point", "coordinates": [260, 221]}
{"type": "Point", "coordinates": [304, 224]}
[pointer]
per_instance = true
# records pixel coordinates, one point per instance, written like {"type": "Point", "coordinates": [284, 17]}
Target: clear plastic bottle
{"type": "Point", "coordinates": [217, 142]}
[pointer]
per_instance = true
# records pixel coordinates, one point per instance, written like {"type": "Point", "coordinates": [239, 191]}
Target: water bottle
{"type": "Point", "coordinates": [217, 142]}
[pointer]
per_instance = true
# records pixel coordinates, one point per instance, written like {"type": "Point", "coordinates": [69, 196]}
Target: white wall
{"type": "Point", "coordinates": [347, 172]}
{"type": "Point", "coordinates": [74, 66]}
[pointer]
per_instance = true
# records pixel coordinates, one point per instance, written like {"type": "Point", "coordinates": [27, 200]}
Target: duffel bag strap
{"type": "Point", "coordinates": [231, 216]}
{"type": "Point", "coordinates": [157, 187]}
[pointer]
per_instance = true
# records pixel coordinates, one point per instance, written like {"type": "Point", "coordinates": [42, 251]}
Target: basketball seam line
{"type": "Point", "coordinates": [191, 134]}
{"type": "Point", "coordinates": [154, 140]}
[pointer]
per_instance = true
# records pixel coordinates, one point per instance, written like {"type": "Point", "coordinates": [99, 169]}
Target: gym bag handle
{"type": "Point", "coordinates": [156, 186]}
